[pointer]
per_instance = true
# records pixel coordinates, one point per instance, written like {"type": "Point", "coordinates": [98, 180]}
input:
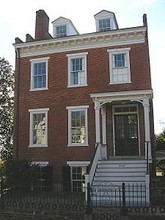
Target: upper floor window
{"type": "Point", "coordinates": [119, 66]}
{"type": "Point", "coordinates": [61, 31]}
{"type": "Point", "coordinates": [77, 126]}
{"type": "Point", "coordinates": [104, 25]}
{"type": "Point", "coordinates": [77, 70]}
{"type": "Point", "coordinates": [38, 127]}
{"type": "Point", "coordinates": [39, 74]}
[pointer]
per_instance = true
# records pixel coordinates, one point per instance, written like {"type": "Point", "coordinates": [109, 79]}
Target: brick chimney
{"type": "Point", "coordinates": [42, 26]}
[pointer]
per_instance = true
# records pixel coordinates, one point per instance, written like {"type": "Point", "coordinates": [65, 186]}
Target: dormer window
{"type": "Point", "coordinates": [61, 31]}
{"type": "Point", "coordinates": [104, 25]}
{"type": "Point", "coordinates": [105, 21]}
{"type": "Point", "coordinates": [63, 27]}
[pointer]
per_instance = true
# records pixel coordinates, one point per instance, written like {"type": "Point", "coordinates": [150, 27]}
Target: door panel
{"type": "Point", "coordinates": [126, 135]}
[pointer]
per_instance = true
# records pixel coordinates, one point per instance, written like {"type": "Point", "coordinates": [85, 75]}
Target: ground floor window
{"type": "Point", "coordinates": [78, 178]}
{"type": "Point", "coordinates": [74, 175]}
{"type": "Point", "coordinates": [77, 126]}
{"type": "Point", "coordinates": [38, 127]}
{"type": "Point", "coordinates": [42, 176]}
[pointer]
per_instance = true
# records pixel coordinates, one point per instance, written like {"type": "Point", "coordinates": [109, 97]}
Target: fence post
{"type": "Point", "coordinates": [124, 209]}
{"type": "Point", "coordinates": [1, 195]}
{"type": "Point", "coordinates": [88, 207]}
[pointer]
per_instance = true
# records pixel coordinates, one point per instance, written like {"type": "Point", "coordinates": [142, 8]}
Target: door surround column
{"type": "Point", "coordinates": [97, 122]}
{"type": "Point", "coordinates": [146, 106]}
{"type": "Point", "coordinates": [103, 114]}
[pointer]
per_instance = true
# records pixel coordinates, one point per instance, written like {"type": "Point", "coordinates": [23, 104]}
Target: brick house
{"type": "Point", "coordinates": [84, 102]}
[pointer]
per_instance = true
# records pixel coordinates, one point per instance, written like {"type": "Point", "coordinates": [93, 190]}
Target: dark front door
{"type": "Point", "coordinates": [126, 135]}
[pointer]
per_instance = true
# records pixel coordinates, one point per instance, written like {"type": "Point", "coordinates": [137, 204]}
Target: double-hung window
{"type": "Point", "coordinates": [38, 127]}
{"type": "Point", "coordinates": [119, 66]}
{"type": "Point", "coordinates": [77, 69]}
{"type": "Point", "coordinates": [78, 169]}
{"type": "Point", "coordinates": [77, 126]}
{"type": "Point", "coordinates": [78, 178]}
{"type": "Point", "coordinates": [39, 74]}
{"type": "Point", "coordinates": [61, 31]}
{"type": "Point", "coordinates": [104, 25]}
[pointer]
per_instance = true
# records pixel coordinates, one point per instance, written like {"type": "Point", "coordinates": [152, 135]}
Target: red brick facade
{"type": "Point", "coordinates": [59, 96]}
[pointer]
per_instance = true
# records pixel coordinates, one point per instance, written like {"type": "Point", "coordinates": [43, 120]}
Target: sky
{"type": "Point", "coordinates": [17, 18]}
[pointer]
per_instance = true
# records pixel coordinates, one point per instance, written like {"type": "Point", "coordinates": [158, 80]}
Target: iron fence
{"type": "Point", "coordinates": [61, 201]}
{"type": "Point", "coordinates": [55, 200]}
{"type": "Point", "coordinates": [108, 194]}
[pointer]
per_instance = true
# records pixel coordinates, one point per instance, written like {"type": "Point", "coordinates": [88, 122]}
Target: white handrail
{"type": "Point", "coordinates": [99, 154]}
{"type": "Point", "coordinates": [94, 164]}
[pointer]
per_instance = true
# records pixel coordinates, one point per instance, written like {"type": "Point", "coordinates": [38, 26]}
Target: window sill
{"type": "Point", "coordinates": [114, 83]}
{"type": "Point", "coordinates": [75, 86]}
{"type": "Point", "coordinates": [77, 145]}
{"type": "Point", "coordinates": [40, 89]}
{"type": "Point", "coordinates": [38, 146]}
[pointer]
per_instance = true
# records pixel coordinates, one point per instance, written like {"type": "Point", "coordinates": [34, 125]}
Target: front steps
{"type": "Point", "coordinates": [111, 174]}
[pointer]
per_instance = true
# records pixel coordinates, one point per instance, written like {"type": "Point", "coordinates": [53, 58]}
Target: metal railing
{"type": "Point", "coordinates": [99, 154]}
{"type": "Point", "coordinates": [54, 199]}
{"type": "Point", "coordinates": [59, 201]}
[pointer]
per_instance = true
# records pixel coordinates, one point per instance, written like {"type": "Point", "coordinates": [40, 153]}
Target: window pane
{"type": "Point", "coordinates": [39, 75]}
{"type": "Point", "coordinates": [133, 126]}
{"type": "Point", "coordinates": [120, 127]}
{"type": "Point", "coordinates": [78, 178]}
{"type": "Point", "coordinates": [104, 25]}
{"type": "Point", "coordinates": [78, 128]}
{"type": "Point", "coordinates": [119, 60]}
{"type": "Point", "coordinates": [61, 31]}
{"type": "Point", "coordinates": [39, 128]}
{"type": "Point", "coordinates": [120, 72]}
{"type": "Point", "coordinates": [74, 78]}
{"type": "Point", "coordinates": [77, 71]}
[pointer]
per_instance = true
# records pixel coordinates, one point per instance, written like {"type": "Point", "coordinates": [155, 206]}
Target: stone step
{"type": "Point", "coordinates": [123, 160]}
{"type": "Point", "coordinates": [107, 173]}
{"type": "Point", "coordinates": [121, 165]}
{"type": "Point", "coordinates": [119, 178]}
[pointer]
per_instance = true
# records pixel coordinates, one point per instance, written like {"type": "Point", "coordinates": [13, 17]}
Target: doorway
{"type": "Point", "coordinates": [126, 134]}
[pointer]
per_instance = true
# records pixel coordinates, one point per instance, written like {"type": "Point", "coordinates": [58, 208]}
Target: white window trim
{"type": "Point", "coordinates": [118, 51]}
{"type": "Point", "coordinates": [40, 163]}
{"type": "Point", "coordinates": [72, 164]}
{"type": "Point", "coordinates": [37, 111]}
{"type": "Point", "coordinates": [78, 163]}
{"type": "Point", "coordinates": [77, 108]}
{"type": "Point", "coordinates": [74, 56]}
{"type": "Point", "coordinates": [38, 60]}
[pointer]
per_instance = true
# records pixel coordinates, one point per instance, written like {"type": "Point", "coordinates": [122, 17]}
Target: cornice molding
{"type": "Point", "coordinates": [81, 42]}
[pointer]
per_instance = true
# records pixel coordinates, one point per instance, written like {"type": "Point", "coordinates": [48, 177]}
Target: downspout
{"type": "Point", "coordinates": [17, 91]}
